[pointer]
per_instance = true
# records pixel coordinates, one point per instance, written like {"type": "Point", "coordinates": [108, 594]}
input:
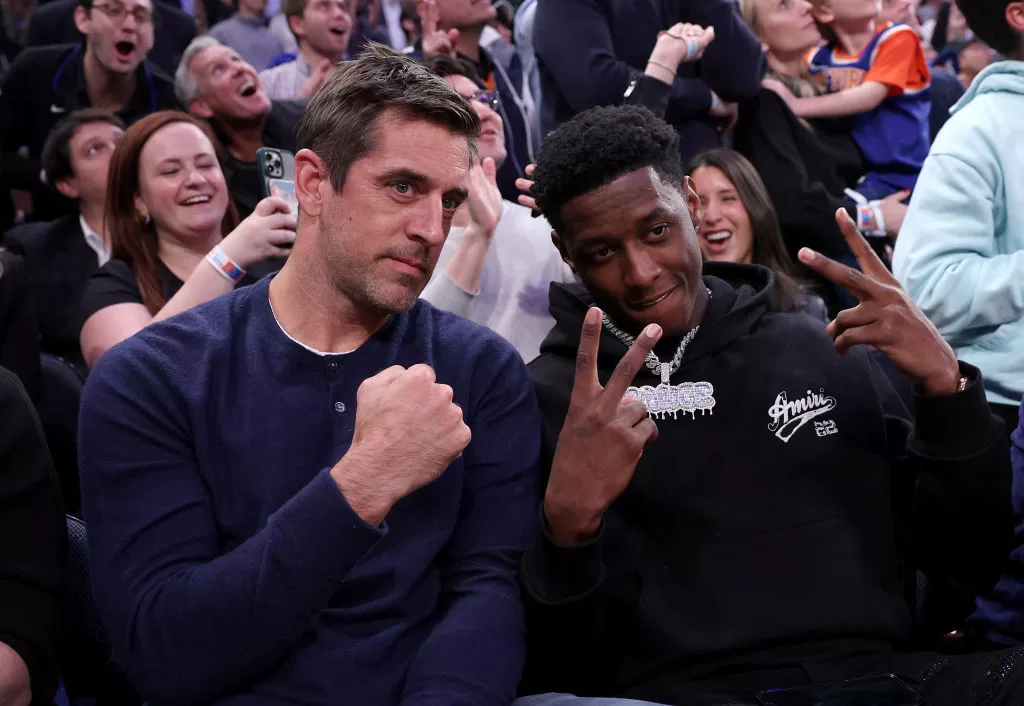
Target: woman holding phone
{"type": "Point", "coordinates": [167, 212]}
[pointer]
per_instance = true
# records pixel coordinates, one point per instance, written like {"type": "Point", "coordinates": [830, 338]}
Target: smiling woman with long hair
{"type": "Point", "coordinates": [167, 210]}
{"type": "Point", "coordinates": [738, 224]}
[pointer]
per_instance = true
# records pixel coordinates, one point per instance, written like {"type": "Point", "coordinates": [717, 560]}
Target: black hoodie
{"type": "Point", "coordinates": [748, 539]}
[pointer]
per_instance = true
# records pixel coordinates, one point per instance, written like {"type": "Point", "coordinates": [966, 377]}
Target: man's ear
{"type": "Point", "coordinates": [311, 180]}
{"type": "Point", "coordinates": [82, 21]}
{"type": "Point", "coordinates": [1015, 17]}
{"type": "Point", "coordinates": [66, 187]}
{"type": "Point", "coordinates": [200, 108]}
{"type": "Point", "coordinates": [692, 203]}
{"type": "Point", "coordinates": [298, 27]}
{"type": "Point", "coordinates": [556, 239]}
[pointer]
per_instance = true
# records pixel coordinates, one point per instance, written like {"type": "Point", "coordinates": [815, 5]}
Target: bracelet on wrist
{"type": "Point", "coordinates": [224, 265]}
{"type": "Point", "coordinates": [662, 66]}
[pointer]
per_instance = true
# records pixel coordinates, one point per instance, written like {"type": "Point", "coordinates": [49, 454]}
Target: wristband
{"type": "Point", "coordinates": [714, 102]}
{"type": "Point", "coordinates": [876, 210]}
{"type": "Point", "coordinates": [225, 265]}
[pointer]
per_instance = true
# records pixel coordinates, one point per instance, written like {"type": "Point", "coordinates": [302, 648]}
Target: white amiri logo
{"type": "Point", "coordinates": [788, 417]}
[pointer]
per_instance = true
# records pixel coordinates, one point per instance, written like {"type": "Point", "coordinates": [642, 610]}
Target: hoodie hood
{"type": "Point", "coordinates": [740, 295]}
{"type": "Point", "coordinates": [1001, 77]}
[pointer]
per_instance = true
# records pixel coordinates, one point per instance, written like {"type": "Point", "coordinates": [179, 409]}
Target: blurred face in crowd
{"type": "Point", "coordinates": [457, 14]}
{"type": "Point", "coordinates": [379, 238]}
{"type": "Point", "coordinates": [326, 25]}
{"type": "Point", "coordinates": [181, 186]}
{"type": "Point", "coordinates": [119, 34]}
{"type": "Point", "coordinates": [252, 8]}
{"type": "Point", "coordinates": [845, 13]}
{"type": "Point", "coordinates": [491, 142]}
{"type": "Point", "coordinates": [725, 233]}
{"type": "Point", "coordinates": [973, 58]}
{"type": "Point", "coordinates": [787, 27]}
{"type": "Point", "coordinates": [904, 11]}
{"type": "Point", "coordinates": [90, 150]}
{"type": "Point", "coordinates": [633, 244]}
{"type": "Point", "coordinates": [229, 88]}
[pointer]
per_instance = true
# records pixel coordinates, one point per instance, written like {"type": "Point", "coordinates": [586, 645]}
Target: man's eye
{"type": "Point", "coordinates": [403, 188]}
{"type": "Point", "coordinates": [448, 203]}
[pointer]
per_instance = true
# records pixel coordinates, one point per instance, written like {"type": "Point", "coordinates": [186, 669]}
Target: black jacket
{"type": "Point", "coordinates": [54, 23]}
{"type": "Point", "coordinates": [32, 540]}
{"type": "Point", "coordinates": [44, 85]}
{"type": "Point", "coordinates": [59, 264]}
{"type": "Point", "coordinates": [589, 49]}
{"type": "Point", "coordinates": [19, 333]}
{"type": "Point", "coordinates": [748, 539]}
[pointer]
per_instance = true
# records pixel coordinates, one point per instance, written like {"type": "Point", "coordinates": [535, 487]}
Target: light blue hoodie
{"type": "Point", "coordinates": [960, 252]}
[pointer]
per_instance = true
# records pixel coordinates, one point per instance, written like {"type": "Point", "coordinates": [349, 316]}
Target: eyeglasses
{"type": "Point", "coordinates": [488, 98]}
{"type": "Point", "coordinates": [117, 12]}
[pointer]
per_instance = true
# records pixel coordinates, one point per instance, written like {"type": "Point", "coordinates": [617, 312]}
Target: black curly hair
{"type": "Point", "coordinates": [597, 147]}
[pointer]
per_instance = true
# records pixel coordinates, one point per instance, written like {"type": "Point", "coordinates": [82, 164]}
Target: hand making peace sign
{"type": "Point", "coordinates": [886, 318]}
{"type": "Point", "coordinates": [602, 439]}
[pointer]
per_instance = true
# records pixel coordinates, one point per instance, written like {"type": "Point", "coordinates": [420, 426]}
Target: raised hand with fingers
{"type": "Point", "coordinates": [602, 439]}
{"type": "Point", "coordinates": [435, 41]}
{"type": "Point", "coordinates": [484, 202]}
{"type": "Point", "coordinates": [525, 185]}
{"type": "Point", "coordinates": [886, 317]}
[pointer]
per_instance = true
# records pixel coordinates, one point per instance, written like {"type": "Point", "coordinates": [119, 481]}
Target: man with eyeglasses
{"type": "Point", "coordinates": [498, 262]}
{"type": "Point", "coordinates": [108, 71]}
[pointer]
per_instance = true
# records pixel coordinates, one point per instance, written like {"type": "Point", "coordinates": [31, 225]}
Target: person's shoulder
{"type": "Point", "coordinates": [37, 237]}
{"type": "Point", "coordinates": [161, 81]}
{"type": "Point", "coordinates": [184, 345]}
{"type": "Point", "coordinates": [520, 219]}
{"type": "Point", "coordinates": [42, 60]}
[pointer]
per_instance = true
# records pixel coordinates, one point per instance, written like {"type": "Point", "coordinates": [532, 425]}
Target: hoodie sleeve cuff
{"type": "Point", "coordinates": [957, 425]}
{"type": "Point", "coordinates": [555, 574]}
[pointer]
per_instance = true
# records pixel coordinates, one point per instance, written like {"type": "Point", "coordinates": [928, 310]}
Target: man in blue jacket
{"type": "Point", "coordinates": [589, 50]}
{"type": "Point", "coordinates": [316, 490]}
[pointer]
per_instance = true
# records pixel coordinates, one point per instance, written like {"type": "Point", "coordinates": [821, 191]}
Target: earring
{"type": "Point", "coordinates": [147, 220]}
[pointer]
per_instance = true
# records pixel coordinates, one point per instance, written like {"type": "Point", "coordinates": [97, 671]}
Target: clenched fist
{"type": "Point", "coordinates": [408, 430]}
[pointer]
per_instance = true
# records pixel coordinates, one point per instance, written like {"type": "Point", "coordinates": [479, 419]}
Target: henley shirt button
{"type": "Point", "coordinates": [333, 365]}
{"type": "Point", "coordinates": [339, 406]}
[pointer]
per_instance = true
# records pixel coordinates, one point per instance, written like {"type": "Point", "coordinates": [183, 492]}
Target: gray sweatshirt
{"type": "Point", "coordinates": [513, 296]}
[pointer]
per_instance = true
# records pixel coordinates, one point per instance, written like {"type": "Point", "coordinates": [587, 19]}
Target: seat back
{"type": "Point", "coordinates": [88, 667]}
{"type": "Point", "coordinates": [60, 393]}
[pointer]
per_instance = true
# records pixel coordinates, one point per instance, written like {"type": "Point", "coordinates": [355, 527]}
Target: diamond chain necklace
{"type": "Point", "coordinates": [665, 370]}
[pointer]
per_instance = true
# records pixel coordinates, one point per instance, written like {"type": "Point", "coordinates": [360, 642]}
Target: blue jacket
{"type": "Point", "coordinates": [960, 252]}
{"type": "Point", "coordinates": [228, 566]}
{"type": "Point", "coordinates": [590, 49]}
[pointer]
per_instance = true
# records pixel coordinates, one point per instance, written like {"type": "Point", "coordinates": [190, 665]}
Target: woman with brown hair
{"type": "Point", "coordinates": [167, 211]}
{"type": "Point", "coordinates": [738, 224]}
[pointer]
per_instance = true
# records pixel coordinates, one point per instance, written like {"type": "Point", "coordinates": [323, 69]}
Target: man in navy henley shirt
{"type": "Point", "coordinates": [316, 490]}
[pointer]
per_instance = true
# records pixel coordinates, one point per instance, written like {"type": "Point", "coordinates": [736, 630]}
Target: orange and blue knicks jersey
{"type": "Point", "coordinates": [894, 137]}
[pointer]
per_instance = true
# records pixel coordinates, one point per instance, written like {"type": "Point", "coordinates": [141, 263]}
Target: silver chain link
{"type": "Point", "coordinates": [652, 360]}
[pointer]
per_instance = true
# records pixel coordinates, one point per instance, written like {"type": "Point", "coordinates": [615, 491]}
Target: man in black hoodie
{"type": "Point", "coordinates": [741, 513]}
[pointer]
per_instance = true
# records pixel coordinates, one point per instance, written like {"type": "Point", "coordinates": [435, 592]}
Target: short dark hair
{"type": "Point", "coordinates": [446, 65]}
{"type": "Point", "coordinates": [57, 148]}
{"type": "Point", "coordinates": [340, 121]}
{"type": "Point", "coordinates": [987, 19]}
{"type": "Point", "coordinates": [597, 147]}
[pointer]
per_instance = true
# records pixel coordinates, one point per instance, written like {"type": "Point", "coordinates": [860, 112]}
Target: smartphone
{"type": "Point", "coordinates": [876, 690]}
{"type": "Point", "coordinates": [277, 175]}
